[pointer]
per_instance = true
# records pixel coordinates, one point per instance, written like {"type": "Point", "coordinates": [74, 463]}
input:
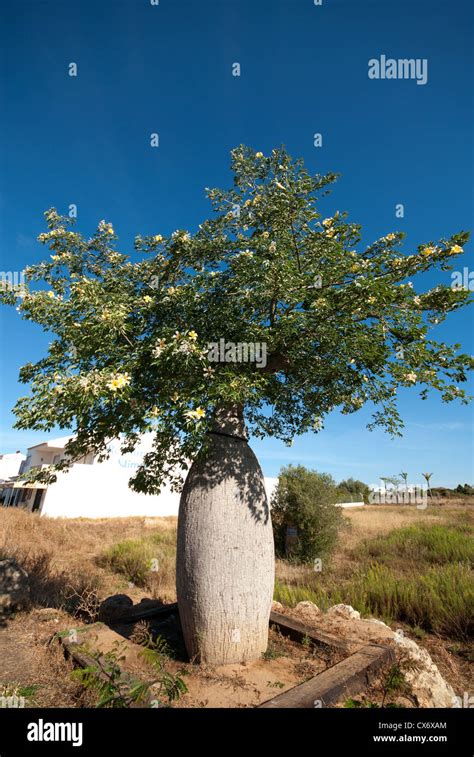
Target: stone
{"type": "Point", "coordinates": [14, 586]}
{"type": "Point", "coordinates": [427, 683]}
{"type": "Point", "coordinates": [344, 611]}
{"type": "Point", "coordinates": [114, 607]}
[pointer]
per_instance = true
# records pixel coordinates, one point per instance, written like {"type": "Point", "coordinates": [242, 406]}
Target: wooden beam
{"type": "Point", "coordinates": [297, 631]}
{"type": "Point", "coordinates": [351, 676]}
{"type": "Point", "coordinates": [148, 611]}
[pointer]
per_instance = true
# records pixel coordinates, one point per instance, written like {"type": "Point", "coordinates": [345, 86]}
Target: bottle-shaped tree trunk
{"type": "Point", "coordinates": [225, 555]}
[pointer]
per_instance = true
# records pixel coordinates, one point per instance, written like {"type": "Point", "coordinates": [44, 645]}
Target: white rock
{"type": "Point", "coordinates": [344, 611]}
{"type": "Point", "coordinates": [428, 685]}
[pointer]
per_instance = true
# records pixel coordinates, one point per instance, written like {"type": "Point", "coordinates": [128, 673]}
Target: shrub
{"type": "Point", "coordinates": [147, 562]}
{"type": "Point", "coordinates": [131, 558]}
{"type": "Point", "coordinates": [305, 500]}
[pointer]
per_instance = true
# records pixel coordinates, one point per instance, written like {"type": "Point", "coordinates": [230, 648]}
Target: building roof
{"type": "Point", "coordinates": [58, 443]}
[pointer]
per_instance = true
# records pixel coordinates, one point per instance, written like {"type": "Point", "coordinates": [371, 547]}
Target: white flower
{"type": "Point", "coordinates": [328, 222]}
{"type": "Point", "coordinates": [118, 382]}
{"type": "Point", "coordinates": [185, 347]}
{"type": "Point", "coordinates": [411, 377]}
{"type": "Point", "coordinates": [272, 247]}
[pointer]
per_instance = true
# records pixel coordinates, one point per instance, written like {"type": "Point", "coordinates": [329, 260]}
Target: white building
{"type": "Point", "coordinates": [91, 489]}
{"type": "Point", "coordinates": [10, 465]}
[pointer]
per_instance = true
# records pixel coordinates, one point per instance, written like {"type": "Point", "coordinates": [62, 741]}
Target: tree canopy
{"type": "Point", "coordinates": [342, 322]}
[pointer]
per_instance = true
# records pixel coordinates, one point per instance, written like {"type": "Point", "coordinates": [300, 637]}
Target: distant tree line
{"type": "Point", "coordinates": [461, 489]}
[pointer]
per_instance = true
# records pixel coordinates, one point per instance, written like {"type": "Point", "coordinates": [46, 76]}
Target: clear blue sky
{"type": "Point", "coordinates": [168, 69]}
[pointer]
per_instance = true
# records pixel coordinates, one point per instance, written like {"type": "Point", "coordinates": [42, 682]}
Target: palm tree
{"type": "Point", "coordinates": [404, 476]}
{"type": "Point", "coordinates": [427, 477]}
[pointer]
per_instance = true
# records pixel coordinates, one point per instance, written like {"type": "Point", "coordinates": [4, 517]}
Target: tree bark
{"type": "Point", "coordinates": [225, 555]}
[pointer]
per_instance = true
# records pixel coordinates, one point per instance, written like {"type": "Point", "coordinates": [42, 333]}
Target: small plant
{"type": "Point", "coordinates": [352, 703]}
{"type": "Point", "coordinates": [394, 684]}
{"type": "Point", "coordinates": [115, 690]}
{"type": "Point", "coordinates": [275, 684]}
{"type": "Point", "coordinates": [17, 694]}
{"type": "Point", "coordinates": [271, 652]}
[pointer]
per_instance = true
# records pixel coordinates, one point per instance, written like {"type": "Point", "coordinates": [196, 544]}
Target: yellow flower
{"type": "Point", "coordinates": [259, 154]}
{"type": "Point", "coordinates": [265, 234]}
{"type": "Point", "coordinates": [175, 397]}
{"type": "Point", "coordinates": [197, 414]}
{"type": "Point", "coordinates": [50, 294]}
{"type": "Point", "coordinates": [427, 251]}
{"type": "Point", "coordinates": [330, 232]}
{"type": "Point", "coordinates": [455, 250]}
{"type": "Point", "coordinates": [193, 336]}
{"type": "Point", "coordinates": [147, 298]}
{"type": "Point", "coordinates": [354, 268]}
{"type": "Point", "coordinates": [390, 237]}
{"type": "Point", "coordinates": [119, 381]}
{"type": "Point", "coordinates": [158, 238]}
{"type": "Point", "coordinates": [328, 222]}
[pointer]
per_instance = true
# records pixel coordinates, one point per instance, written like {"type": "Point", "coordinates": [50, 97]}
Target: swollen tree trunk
{"type": "Point", "coordinates": [225, 556]}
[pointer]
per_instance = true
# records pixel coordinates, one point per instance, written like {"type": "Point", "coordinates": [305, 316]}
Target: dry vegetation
{"type": "Point", "coordinates": [407, 566]}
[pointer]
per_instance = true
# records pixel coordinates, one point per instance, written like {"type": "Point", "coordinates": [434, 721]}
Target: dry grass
{"type": "Point", "coordinates": [66, 557]}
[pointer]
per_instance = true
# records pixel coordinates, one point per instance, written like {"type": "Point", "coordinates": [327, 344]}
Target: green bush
{"type": "Point", "coordinates": [131, 558]}
{"type": "Point", "coordinates": [305, 500]}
